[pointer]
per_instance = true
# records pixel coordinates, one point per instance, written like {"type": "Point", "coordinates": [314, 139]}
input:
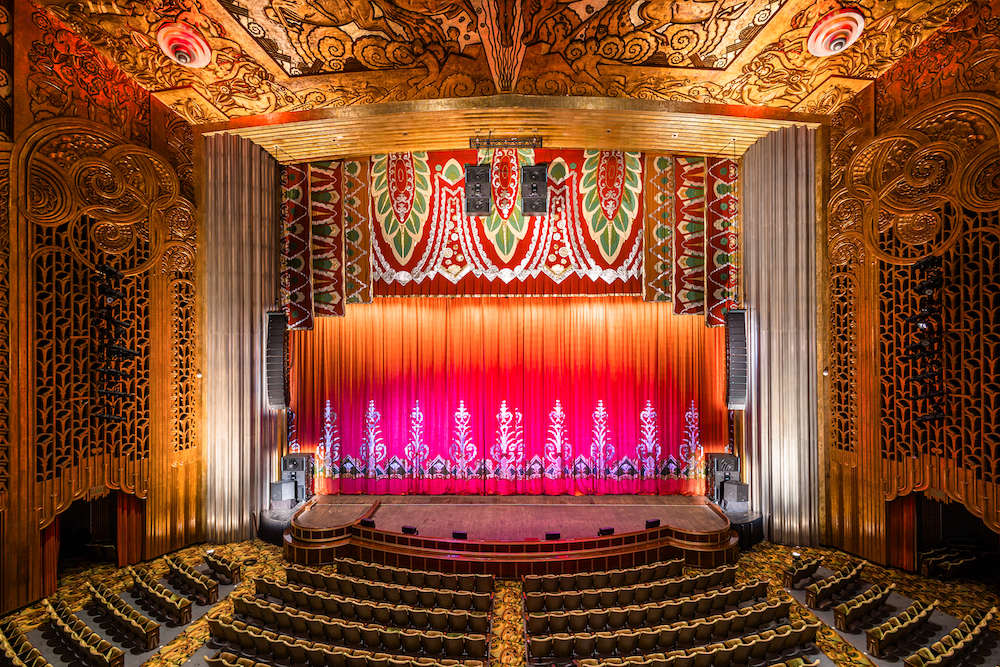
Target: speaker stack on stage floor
{"type": "Point", "coordinates": [298, 468]}
{"type": "Point", "coordinates": [733, 496]}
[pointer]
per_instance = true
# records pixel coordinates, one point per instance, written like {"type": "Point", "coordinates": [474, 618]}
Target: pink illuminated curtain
{"type": "Point", "coordinates": [509, 395]}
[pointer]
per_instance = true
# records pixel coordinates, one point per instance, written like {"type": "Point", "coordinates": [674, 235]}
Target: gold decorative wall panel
{"type": "Point", "coordinates": [915, 174]}
{"type": "Point", "coordinates": [4, 323]}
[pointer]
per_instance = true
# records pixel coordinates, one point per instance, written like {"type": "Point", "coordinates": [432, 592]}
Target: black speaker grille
{"type": "Point", "coordinates": [275, 360]}
{"type": "Point", "coordinates": [737, 368]}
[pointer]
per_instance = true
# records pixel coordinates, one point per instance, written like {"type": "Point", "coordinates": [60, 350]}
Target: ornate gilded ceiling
{"type": "Point", "coordinates": [291, 55]}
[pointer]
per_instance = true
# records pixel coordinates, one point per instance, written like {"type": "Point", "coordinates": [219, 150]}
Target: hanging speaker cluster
{"type": "Point", "coordinates": [835, 32]}
{"type": "Point", "coordinates": [534, 189]}
{"type": "Point", "coordinates": [184, 45]}
{"type": "Point", "coordinates": [737, 361]}
{"type": "Point", "coordinates": [110, 333]}
{"type": "Point", "coordinates": [925, 352]}
{"type": "Point", "coordinates": [277, 397]}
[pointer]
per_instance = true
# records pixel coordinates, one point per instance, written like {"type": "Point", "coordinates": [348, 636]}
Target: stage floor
{"type": "Point", "coordinates": [514, 518]}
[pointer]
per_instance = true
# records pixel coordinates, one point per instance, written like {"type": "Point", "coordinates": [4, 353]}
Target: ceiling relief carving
{"type": "Point", "coordinates": [290, 55]}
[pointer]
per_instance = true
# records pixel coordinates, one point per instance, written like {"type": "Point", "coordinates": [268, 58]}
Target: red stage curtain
{"type": "Point", "coordinates": [509, 395]}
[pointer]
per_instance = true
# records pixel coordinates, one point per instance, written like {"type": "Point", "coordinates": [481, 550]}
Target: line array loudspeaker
{"type": "Point", "coordinates": [477, 189]}
{"type": "Point", "coordinates": [736, 360]}
{"type": "Point", "coordinates": [275, 360]}
{"type": "Point", "coordinates": [534, 190]}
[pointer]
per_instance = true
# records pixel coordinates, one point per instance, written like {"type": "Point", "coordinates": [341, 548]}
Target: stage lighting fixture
{"type": "Point", "coordinates": [927, 286]}
{"type": "Point", "coordinates": [934, 374]}
{"type": "Point", "coordinates": [111, 272]}
{"type": "Point", "coordinates": [114, 372]}
{"type": "Point", "coordinates": [459, 535]}
{"type": "Point", "coordinates": [604, 532]}
{"type": "Point", "coordinates": [367, 523]}
{"type": "Point", "coordinates": [409, 530]}
{"type": "Point", "coordinates": [929, 394]}
{"type": "Point", "coordinates": [116, 394]}
{"type": "Point", "coordinates": [927, 263]}
{"type": "Point", "coordinates": [111, 294]}
{"type": "Point", "coordinates": [110, 333]}
{"type": "Point", "coordinates": [919, 355]}
{"type": "Point", "coordinates": [106, 315]}
{"type": "Point", "coordinates": [553, 536]}
{"type": "Point", "coordinates": [652, 523]}
{"type": "Point", "coordinates": [932, 417]}
{"type": "Point", "coordinates": [120, 352]}
{"type": "Point", "coordinates": [107, 417]}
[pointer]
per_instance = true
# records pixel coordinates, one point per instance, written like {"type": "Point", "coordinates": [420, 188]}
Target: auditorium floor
{"type": "Point", "coordinates": [766, 560]}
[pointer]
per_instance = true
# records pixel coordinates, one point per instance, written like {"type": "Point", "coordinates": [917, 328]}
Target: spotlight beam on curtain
{"type": "Point", "coordinates": [509, 395]}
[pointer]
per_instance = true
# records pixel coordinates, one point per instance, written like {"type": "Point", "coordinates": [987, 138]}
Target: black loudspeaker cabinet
{"type": "Point", "coordinates": [477, 189]}
{"type": "Point", "coordinates": [534, 189]}
{"type": "Point", "coordinates": [283, 490]}
{"type": "Point", "coordinates": [737, 361]}
{"type": "Point", "coordinates": [275, 360]}
{"type": "Point", "coordinates": [725, 463]}
{"type": "Point", "coordinates": [296, 462]}
{"type": "Point", "coordinates": [735, 492]}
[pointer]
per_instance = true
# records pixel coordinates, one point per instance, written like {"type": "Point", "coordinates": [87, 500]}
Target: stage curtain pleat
{"type": "Point", "coordinates": [495, 395]}
{"type": "Point", "coordinates": [779, 258]}
{"type": "Point", "coordinates": [243, 436]}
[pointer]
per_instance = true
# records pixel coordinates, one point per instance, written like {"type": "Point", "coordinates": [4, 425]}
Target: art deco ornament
{"type": "Point", "coordinates": [835, 32]}
{"type": "Point", "coordinates": [184, 44]}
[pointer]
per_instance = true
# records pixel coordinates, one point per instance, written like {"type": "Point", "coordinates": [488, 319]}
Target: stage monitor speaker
{"type": "Point", "coordinates": [409, 530]}
{"type": "Point", "coordinates": [477, 189]}
{"type": "Point", "coordinates": [275, 360]}
{"type": "Point", "coordinates": [604, 532]}
{"type": "Point", "coordinates": [552, 536]}
{"type": "Point", "coordinates": [296, 463]}
{"type": "Point", "coordinates": [459, 535]}
{"type": "Point", "coordinates": [367, 523]}
{"type": "Point", "coordinates": [652, 523]}
{"type": "Point", "coordinates": [534, 189]}
{"type": "Point", "coordinates": [735, 492]}
{"type": "Point", "coordinates": [725, 463]}
{"type": "Point", "coordinates": [737, 361]}
{"type": "Point", "coordinates": [283, 490]}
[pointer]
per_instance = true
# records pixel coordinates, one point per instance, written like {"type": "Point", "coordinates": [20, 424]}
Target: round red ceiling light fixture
{"type": "Point", "coordinates": [184, 44]}
{"type": "Point", "coordinates": [835, 32]}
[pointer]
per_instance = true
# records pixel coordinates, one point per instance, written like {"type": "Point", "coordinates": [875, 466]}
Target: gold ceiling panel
{"type": "Point", "coordinates": [562, 122]}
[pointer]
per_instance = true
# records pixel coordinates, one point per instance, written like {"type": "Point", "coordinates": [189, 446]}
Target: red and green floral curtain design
{"type": "Point", "coordinates": [653, 228]}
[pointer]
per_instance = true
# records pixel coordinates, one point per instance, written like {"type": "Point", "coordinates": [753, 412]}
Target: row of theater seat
{"type": "Point", "coordinates": [160, 596]}
{"type": "Point", "coordinates": [205, 588]}
{"type": "Point", "coordinates": [367, 590]}
{"type": "Point", "coordinates": [303, 622]}
{"type": "Point", "coordinates": [16, 648]}
{"type": "Point", "coordinates": [82, 639]}
{"type": "Point", "coordinates": [628, 641]}
{"type": "Point", "coordinates": [132, 621]}
{"type": "Point", "coordinates": [347, 658]}
{"type": "Point", "coordinates": [898, 627]}
{"type": "Point", "coordinates": [227, 567]}
{"type": "Point", "coordinates": [480, 583]}
{"type": "Point", "coordinates": [738, 651]}
{"type": "Point", "coordinates": [549, 583]}
{"type": "Point", "coordinates": [683, 661]}
{"type": "Point", "coordinates": [832, 585]}
{"type": "Point", "coordinates": [682, 633]}
{"type": "Point", "coordinates": [686, 607]}
{"type": "Point", "coordinates": [800, 570]}
{"type": "Point", "coordinates": [957, 646]}
{"type": "Point", "coordinates": [653, 591]}
{"type": "Point", "coordinates": [847, 612]}
{"type": "Point", "coordinates": [352, 635]}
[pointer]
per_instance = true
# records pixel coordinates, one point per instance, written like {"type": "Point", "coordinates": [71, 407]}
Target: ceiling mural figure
{"type": "Point", "coordinates": [289, 55]}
